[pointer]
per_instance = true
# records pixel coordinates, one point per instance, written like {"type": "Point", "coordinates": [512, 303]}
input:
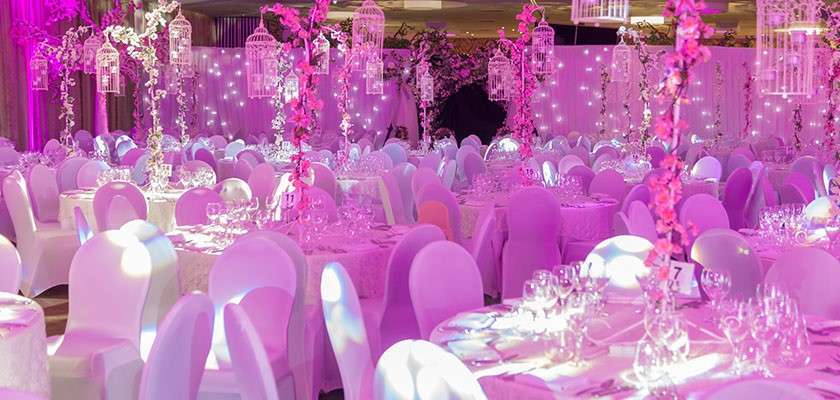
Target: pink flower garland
{"type": "Point", "coordinates": [748, 80]}
{"type": "Point", "coordinates": [673, 91]}
{"type": "Point", "coordinates": [307, 103]}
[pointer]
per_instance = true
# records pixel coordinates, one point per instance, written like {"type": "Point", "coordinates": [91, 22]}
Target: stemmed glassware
{"type": "Point", "coordinates": [716, 284]}
{"type": "Point", "coordinates": [735, 325]}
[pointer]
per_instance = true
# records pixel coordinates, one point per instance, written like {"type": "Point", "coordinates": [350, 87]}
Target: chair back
{"type": "Point", "coordinates": [735, 196]}
{"type": "Point", "coordinates": [116, 203]}
{"type": "Point", "coordinates": [380, 159]}
{"type": "Point", "coordinates": [392, 202]}
{"type": "Point", "coordinates": [474, 165]}
{"type": "Point", "coordinates": [191, 207]}
{"type": "Point", "coordinates": [430, 161]}
{"type": "Point", "coordinates": [707, 167]}
{"type": "Point", "coordinates": [439, 193]}
{"type": "Point", "coordinates": [621, 224]}
{"type": "Point", "coordinates": [218, 141]}
{"type": "Point", "coordinates": [10, 267]}
{"type": "Point", "coordinates": [811, 169]}
{"type": "Point", "coordinates": [242, 169]}
{"type": "Point", "coordinates": [89, 173]}
{"type": "Point", "coordinates": [43, 190]}
{"type": "Point", "coordinates": [641, 221]}
{"type": "Point", "coordinates": [263, 181]}
{"type": "Point", "coordinates": [437, 299]}
{"type": "Point", "coordinates": [396, 152]}
{"type": "Point", "coordinates": [248, 355]}
{"type": "Point", "coordinates": [320, 196]}
{"type": "Point", "coordinates": [203, 154]}
{"type": "Point", "coordinates": [324, 178]}
{"type": "Point", "coordinates": [109, 282]}
{"type": "Point", "coordinates": [640, 192]}
{"type": "Point", "coordinates": [567, 162]}
{"type": "Point", "coordinates": [404, 174]}
{"type": "Point", "coordinates": [704, 212]}
{"type": "Point", "coordinates": [584, 174]}
{"type": "Point", "coordinates": [67, 172]}
{"type": "Point", "coordinates": [435, 213]}
{"type": "Point", "coordinates": [447, 173]}
{"type": "Point", "coordinates": [792, 194]}
{"type": "Point", "coordinates": [83, 230]}
{"type": "Point", "coordinates": [176, 361]}
{"type": "Point", "coordinates": [485, 249]}
{"type": "Point", "coordinates": [346, 329]}
{"type": "Point", "coordinates": [233, 148]}
{"type": "Point", "coordinates": [735, 162]}
{"type": "Point", "coordinates": [234, 190]}
{"type": "Point", "coordinates": [622, 258]}
{"type": "Point", "coordinates": [809, 274]}
{"type": "Point", "coordinates": [803, 182]}
{"type": "Point", "coordinates": [16, 195]}
{"type": "Point", "coordinates": [610, 183]}
{"type": "Point", "coordinates": [727, 250]}
{"type": "Point", "coordinates": [84, 139]}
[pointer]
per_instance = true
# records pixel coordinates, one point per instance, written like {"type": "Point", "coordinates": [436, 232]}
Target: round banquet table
{"type": "Point", "coordinates": [583, 218]}
{"type": "Point", "coordinates": [365, 257]}
{"type": "Point", "coordinates": [161, 208]}
{"type": "Point", "coordinates": [769, 253]}
{"type": "Point", "coordinates": [511, 365]}
{"type": "Point", "coordinates": [23, 346]}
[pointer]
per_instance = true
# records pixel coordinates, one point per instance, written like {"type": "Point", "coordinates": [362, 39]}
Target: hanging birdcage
{"type": "Point", "coordinates": [374, 70]}
{"type": "Point", "coordinates": [261, 56]}
{"type": "Point", "coordinates": [322, 54]}
{"type": "Point", "coordinates": [427, 87]}
{"type": "Point", "coordinates": [786, 35]}
{"type": "Point", "coordinates": [499, 77]}
{"type": "Point", "coordinates": [89, 49]}
{"type": "Point", "coordinates": [180, 41]}
{"type": "Point", "coordinates": [621, 62]}
{"type": "Point", "coordinates": [601, 11]}
{"type": "Point", "coordinates": [368, 33]}
{"type": "Point", "coordinates": [291, 86]}
{"type": "Point", "coordinates": [107, 69]}
{"type": "Point", "coordinates": [542, 49]}
{"type": "Point", "coordinates": [39, 72]}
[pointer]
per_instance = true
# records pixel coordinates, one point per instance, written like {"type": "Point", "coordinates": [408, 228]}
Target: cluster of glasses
{"type": "Point", "coordinates": [557, 307]}
{"type": "Point", "coordinates": [633, 169]}
{"type": "Point", "coordinates": [363, 167]}
{"type": "Point", "coordinates": [782, 226]}
{"type": "Point", "coordinates": [202, 176]}
{"type": "Point", "coordinates": [716, 284]}
{"type": "Point", "coordinates": [567, 185]}
{"type": "Point", "coordinates": [29, 159]}
{"type": "Point", "coordinates": [492, 181]}
{"type": "Point", "coordinates": [227, 221]}
{"type": "Point", "coordinates": [356, 215]}
{"type": "Point", "coordinates": [313, 223]}
{"type": "Point", "coordinates": [768, 328]}
{"type": "Point", "coordinates": [780, 155]}
{"type": "Point", "coordinates": [122, 174]}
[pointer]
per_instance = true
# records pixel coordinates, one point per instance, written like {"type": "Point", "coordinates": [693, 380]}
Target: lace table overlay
{"type": "Point", "coordinates": [23, 346]}
{"type": "Point", "coordinates": [161, 208]}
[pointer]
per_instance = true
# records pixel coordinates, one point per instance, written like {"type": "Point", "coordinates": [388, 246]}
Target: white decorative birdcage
{"type": "Point", "coordinates": [39, 72]}
{"type": "Point", "coordinates": [427, 87]}
{"type": "Point", "coordinates": [368, 33]}
{"type": "Point", "coordinates": [89, 49]}
{"type": "Point", "coordinates": [542, 49]}
{"type": "Point", "coordinates": [321, 52]}
{"type": "Point", "coordinates": [261, 56]}
{"type": "Point", "coordinates": [374, 75]}
{"type": "Point", "coordinates": [107, 69]}
{"type": "Point", "coordinates": [622, 58]}
{"type": "Point", "coordinates": [787, 32]}
{"type": "Point", "coordinates": [498, 77]}
{"type": "Point", "coordinates": [180, 41]}
{"type": "Point", "coordinates": [601, 11]}
{"type": "Point", "coordinates": [291, 87]}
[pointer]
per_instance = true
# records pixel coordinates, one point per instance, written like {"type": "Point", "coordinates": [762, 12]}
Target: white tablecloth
{"type": "Point", "coordinates": [161, 208]}
{"type": "Point", "coordinates": [23, 346]}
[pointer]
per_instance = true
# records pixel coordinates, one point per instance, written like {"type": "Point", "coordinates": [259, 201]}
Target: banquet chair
{"type": "Point", "coordinates": [203, 154]}
{"type": "Point", "coordinates": [657, 154]}
{"type": "Point", "coordinates": [320, 196]}
{"type": "Point", "coordinates": [567, 162]}
{"type": "Point", "coordinates": [459, 159]}
{"type": "Point", "coordinates": [811, 169]}
{"type": "Point", "coordinates": [809, 275]}
{"type": "Point", "coordinates": [324, 178]}
{"type": "Point", "coordinates": [573, 137]}
{"type": "Point", "coordinates": [581, 153]}
{"type": "Point", "coordinates": [764, 389]}
{"type": "Point", "coordinates": [702, 212]}
{"type": "Point", "coordinates": [175, 364]}
{"type": "Point", "coordinates": [736, 195]}
{"type": "Point", "coordinates": [450, 151]}
{"type": "Point", "coordinates": [198, 165]}
{"type": "Point", "coordinates": [558, 144]}
{"type": "Point", "coordinates": [758, 197]}
{"type": "Point", "coordinates": [380, 159]}
{"type": "Point", "coordinates": [234, 190]}
{"type": "Point", "coordinates": [392, 201]}
{"type": "Point", "coordinates": [435, 299]}
{"type": "Point", "coordinates": [43, 191]}
{"type": "Point", "coordinates": [735, 162]}
{"type": "Point", "coordinates": [347, 332]}
{"type": "Point", "coordinates": [122, 144]}
{"type": "Point", "coordinates": [792, 194]}
{"type": "Point", "coordinates": [191, 207]}
{"type": "Point", "coordinates": [641, 221]}
{"type": "Point", "coordinates": [431, 161]}
{"type": "Point", "coordinates": [233, 148]}
{"type": "Point", "coordinates": [829, 176]}
{"type": "Point", "coordinates": [218, 141]}
{"type": "Point", "coordinates": [598, 163]}
{"type": "Point", "coordinates": [251, 156]}
{"type": "Point", "coordinates": [131, 156]}
{"type": "Point", "coordinates": [549, 173]}
{"type": "Point", "coordinates": [392, 317]}
{"type": "Point", "coordinates": [447, 173]}
{"type": "Point", "coordinates": [474, 165]}
{"type": "Point", "coordinates": [605, 151]}
{"type": "Point", "coordinates": [259, 275]}
{"type": "Point", "coordinates": [693, 153]}
{"type": "Point", "coordinates": [84, 139]}
{"type": "Point", "coordinates": [621, 224]}
{"type": "Point", "coordinates": [485, 247]}
{"type": "Point", "coordinates": [707, 167]}
{"type": "Point", "coordinates": [533, 221]}
{"type": "Point", "coordinates": [584, 174]}
{"type": "Point", "coordinates": [164, 288]}
{"type": "Point", "coordinates": [98, 355]}
{"type": "Point", "coordinates": [242, 169]}
{"type": "Point", "coordinates": [472, 140]}
{"type": "Point", "coordinates": [10, 267]}
{"type": "Point", "coordinates": [639, 192]}
{"type": "Point", "coordinates": [139, 172]}
{"type": "Point", "coordinates": [396, 152]}
{"type": "Point", "coordinates": [727, 250]}
{"type": "Point", "coordinates": [89, 173]}
{"type": "Point", "coordinates": [621, 258]}
{"type": "Point", "coordinates": [83, 230]}
{"type": "Point", "coordinates": [249, 359]}
{"type": "Point", "coordinates": [366, 145]}
{"type": "Point", "coordinates": [263, 181]}
{"type": "Point", "coordinates": [435, 213]}
{"type": "Point", "coordinates": [116, 203]}
{"type": "Point", "coordinates": [421, 178]}
{"type": "Point", "coordinates": [45, 252]}
{"type": "Point", "coordinates": [439, 193]}
{"type": "Point", "coordinates": [404, 174]}
{"type": "Point", "coordinates": [66, 173]}
{"type": "Point", "coordinates": [417, 369]}
{"type": "Point", "coordinates": [610, 183]}
{"type": "Point", "coordinates": [584, 142]}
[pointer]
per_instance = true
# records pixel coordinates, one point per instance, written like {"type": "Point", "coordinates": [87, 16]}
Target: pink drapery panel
{"type": "Point", "coordinates": [569, 100]}
{"type": "Point", "coordinates": [224, 106]}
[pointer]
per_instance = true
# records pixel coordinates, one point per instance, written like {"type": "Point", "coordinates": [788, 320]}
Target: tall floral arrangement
{"type": "Point", "coordinates": [602, 118]}
{"type": "Point", "coordinates": [831, 11]}
{"type": "Point", "coordinates": [344, 74]}
{"type": "Point", "coordinates": [523, 123]}
{"type": "Point", "coordinates": [718, 92]}
{"type": "Point", "coordinates": [278, 101]}
{"type": "Point", "coordinates": [646, 59]}
{"type": "Point", "coordinates": [307, 104]}
{"type": "Point", "coordinates": [673, 92]}
{"type": "Point", "coordinates": [797, 127]}
{"type": "Point", "coordinates": [628, 115]}
{"type": "Point", "coordinates": [142, 48]}
{"type": "Point", "coordinates": [749, 78]}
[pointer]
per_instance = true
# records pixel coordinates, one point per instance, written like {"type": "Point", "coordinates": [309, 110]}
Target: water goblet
{"type": "Point", "coordinates": [716, 284]}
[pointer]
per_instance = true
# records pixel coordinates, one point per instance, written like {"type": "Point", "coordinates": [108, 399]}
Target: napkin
{"type": "Point", "coordinates": [473, 321]}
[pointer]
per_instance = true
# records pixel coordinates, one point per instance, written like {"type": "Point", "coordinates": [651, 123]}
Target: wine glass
{"type": "Point", "coordinates": [649, 363]}
{"type": "Point", "coordinates": [734, 323]}
{"type": "Point", "coordinates": [764, 329]}
{"type": "Point", "coordinates": [566, 281]}
{"type": "Point", "coordinates": [716, 284]}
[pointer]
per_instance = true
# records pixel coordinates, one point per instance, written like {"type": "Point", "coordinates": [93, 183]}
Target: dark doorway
{"type": "Point", "coordinates": [469, 111]}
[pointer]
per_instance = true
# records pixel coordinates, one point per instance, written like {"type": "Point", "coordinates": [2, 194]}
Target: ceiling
{"type": "Point", "coordinates": [479, 18]}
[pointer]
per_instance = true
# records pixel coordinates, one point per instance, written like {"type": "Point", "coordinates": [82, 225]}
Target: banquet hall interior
{"type": "Point", "coordinates": [419, 199]}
